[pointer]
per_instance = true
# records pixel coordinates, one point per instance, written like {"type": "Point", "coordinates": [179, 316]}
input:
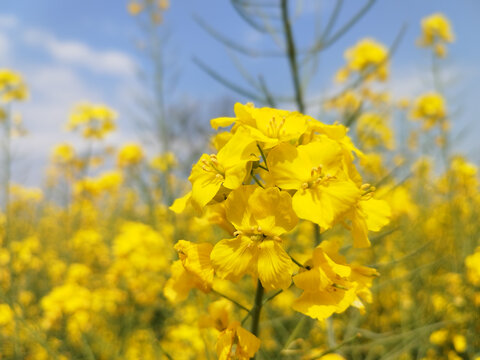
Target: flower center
{"type": "Point", "coordinates": [317, 176]}
{"type": "Point", "coordinates": [212, 165]}
{"type": "Point", "coordinates": [276, 128]}
{"type": "Point", "coordinates": [255, 233]}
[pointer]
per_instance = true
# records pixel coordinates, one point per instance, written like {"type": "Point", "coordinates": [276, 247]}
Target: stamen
{"type": "Point", "coordinates": [365, 187]}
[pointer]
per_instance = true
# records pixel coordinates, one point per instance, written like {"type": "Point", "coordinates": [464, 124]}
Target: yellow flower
{"type": "Point", "coordinates": [130, 154]}
{"type": "Point", "coordinates": [164, 161]}
{"type": "Point", "coordinates": [325, 289]}
{"type": "Point", "coordinates": [63, 153]}
{"type": "Point", "coordinates": [218, 315]}
{"type": "Point", "coordinates": [193, 270]}
{"type": "Point", "coordinates": [367, 58]}
{"type": "Point", "coordinates": [110, 181]}
{"type": "Point", "coordinates": [324, 192]}
{"type": "Point", "coordinates": [430, 108]}
{"type": "Point", "coordinates": [94, 121]}
{"type": "Point", "coordinates": [220, 139]}
{"type": "Point", "coordinates": [369, 214]}
{"type": "Point", "coordinates": [12, 86]}
{"type": "Point", "coordinates": [6, 315]}
{"type": "Point", "coordinates": [439, 337]}
{"type": "Point", "coordinates": [266, 125]}
{"type": "Point", "coordinates": [436, 30]}
{"type": "Point", "coordinates": [330, 285]}
{"type": "Point", "coordinates": [348, 102]}
{"type": "Point", "coordinates": [472, 263]}
{"type": "Point", "coordinates": [459, 343]}
{"type": "Point", "coordinates": [373, 130]}
{"type": "Point", "coordinates": [134, 8]}
{"type": "Point", "coordinates": [332, 357]}
{"type": "Point", "coordinates": [228, 168]}
{"type": "Point", "coordinates": [260, 216]}
{"type": "Point", "coordinates": [236, 343]}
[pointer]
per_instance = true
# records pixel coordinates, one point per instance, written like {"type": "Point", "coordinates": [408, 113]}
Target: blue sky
{"type": "Point", "coordinates": [70, 51]}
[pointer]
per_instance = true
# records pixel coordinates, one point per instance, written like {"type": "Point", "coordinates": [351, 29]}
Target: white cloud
{"type": "Point", "coordinates": [8, 21]}
{"type": "Point", "coordinates": [55, 86]}
{"type": "Point", "coordinates": [77, 53]}
{"type": "Point", "coordinates": [4, 49]}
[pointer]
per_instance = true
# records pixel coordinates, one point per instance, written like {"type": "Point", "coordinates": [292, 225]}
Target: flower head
{"type": "Point", "coordinates": [260, 217]}
{"type": "Point", "coordinates": [367, 58]}
{"type": "Point", "coordinates": [436, 32]}
{"type": "Point", "coordinates": [430, 108]}
{"type": "Point", "coordinates": [94, 121]}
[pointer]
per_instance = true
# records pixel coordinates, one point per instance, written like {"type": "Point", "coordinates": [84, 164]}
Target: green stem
{"type": "Point", "coordinates": [230, 299]}
{"type": "Point", "coordinates": [317, 235]}
{"type": "Point", "coordinates": [7, 178]}
{"type": "Point", "coordinates": [263, 156]}
{"type": "Point", "coordinates": [271, 297]}
{"type": "Point", "coordinates": [257, 307]}
{"type": "Point", "coordinates": [339, 346]}
{"type": "Point", "coordinates": [257, 181]}
{"type": "Point", "coordinates": [295, 332]}
{"type": "Point", "coordinates": [296, 262]}
{"type": "Point", "coordinates": [292, 56]}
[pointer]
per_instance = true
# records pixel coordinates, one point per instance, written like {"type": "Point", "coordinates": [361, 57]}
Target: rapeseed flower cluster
{"type": "Point", "coordinates": [436, 33]}
{"type": "Point", "coordinates": [368, 59]}
{"type": "Point", "coordinates": [278, 168]}
{"type": "Point", "coordinates": [93, 121]}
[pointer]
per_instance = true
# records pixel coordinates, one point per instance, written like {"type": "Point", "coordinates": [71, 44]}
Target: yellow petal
{"type": "Point", "coordinates": [205, 183]}
{"type": "Point", "coordinates": [324, 203]}
{"type": "Point", "coordinates": [179, 285]}
{"type": "Point", "coordinates": [274, 266]}
{"type": "Point", "coordinates": [377, 213]}
{"type": "Point", "coordinates": [235, 156]}
{"type": "Point", "coordinates": [219, 140]}
{"type": "Point", "coordinates": [326, 256]}
{"type": "Point", "coordinates": [180, 204]}
{"type": "Point", "coordinates": [323, 152]}
{"type": "Point", "coordinates": [248, 344]}
{"type": "Point", "coordinates": [359, 229]}
{"type": "Point", "coordinates": [196, 260]}
{"type": "Point", "coordinates": [225, 343]}
{"type": "Point", "coordinates": [233, 258]}
{"type": "Point", "coordinates": [311, 280]}
{"type": "Point", "coordinates": [289, 167]}
{"type": "Point", "coordinates": [236, 207]}
{"type": "Point", "coordinates": [272, 210]}
{"type": "Point", "coordinates": [222, 122]}
{"type": "Point", "coordinates": [322, 304]}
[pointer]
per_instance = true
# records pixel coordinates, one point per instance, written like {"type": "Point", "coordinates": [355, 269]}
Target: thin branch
{"type": "Point", "coordinates": [363, 76]}
{"type": "Point", "coordinates": [233, 44]}
{"type": "Point", "coordinates": [270, 99]}
{"type": "Point", "coordinates": [323, 44]}
{"type": "Point", "coordinates": [230, 299]}
{"type": "Point", "coordinates": [339, 346]}
{"type": "Point", "coordinates": [297, 262]}
{"type": "Point", "coordinates": [292, 56]}
{"type": "Point", "coordinates": [333, 19]}
{"type": "Point", "coordinates": [238, 6]}
{"type": "Point", "coordinates": [263, 156]}
{"type": "Point", "coordinates": [226, 82]}
{"type": "Point", "coordinates": [257, 181]}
